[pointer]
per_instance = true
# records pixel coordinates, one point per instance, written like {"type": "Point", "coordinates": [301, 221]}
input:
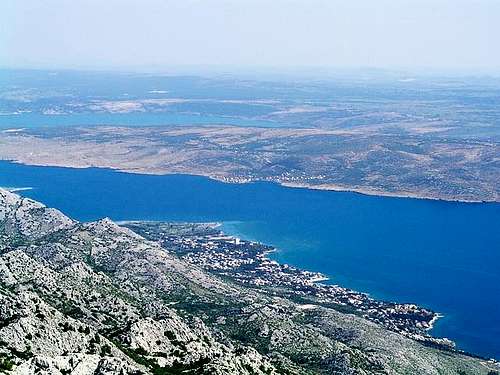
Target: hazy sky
{"type": "Point", "coordinates": [440, 34]}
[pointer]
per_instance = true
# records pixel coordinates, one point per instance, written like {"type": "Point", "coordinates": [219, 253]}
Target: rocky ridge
{"type": "Point", "coordinates": [96, 298]}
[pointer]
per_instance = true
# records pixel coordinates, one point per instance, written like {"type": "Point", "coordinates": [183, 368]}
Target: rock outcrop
{"type": "Point", "coordinates": [96, 298]}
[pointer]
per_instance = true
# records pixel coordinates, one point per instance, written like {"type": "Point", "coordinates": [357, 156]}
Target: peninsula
{"type": "Point", "coordinates": [184, 298]}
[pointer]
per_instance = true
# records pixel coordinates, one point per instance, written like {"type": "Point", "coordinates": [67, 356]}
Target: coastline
{"type": "Point", "coordinates": [318, 278]}
{"type": "Point", "coordinates": [282, 246]}
{"type": "Point", "coordinates": [295, 185]}
{"type": "Point", "coordinates": [16, 189]}
{"type": "Point", "coordinates": [433, 321]}
{"type": "Point", "coordinates": [231, 253]}
{"type": "Point", "coordinates": [378, 193]}
{"type": "Point", "coordinates": [428, 338]}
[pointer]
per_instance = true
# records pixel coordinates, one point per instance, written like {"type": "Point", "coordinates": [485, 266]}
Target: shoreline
{"type": "Point", "coordinates": [319, 277]}
{"type": "Point", "coordinates": [293, 185]}
{"type": "Point", "coordinates": [378, 193]}
{"type": "Point", "coordinates": [227, 254]}
{"type": "Point", "coordinates": [433, 321]}
{"type": "Point", "coordinates": [447, 342]}
{"type": "Point", "coordinates": [409, 319]}
{"type": "Point", "coordinates": [14, 189]}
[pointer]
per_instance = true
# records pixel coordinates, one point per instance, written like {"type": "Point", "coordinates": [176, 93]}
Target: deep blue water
{"type": "Point", "coordinates": [442, 255]}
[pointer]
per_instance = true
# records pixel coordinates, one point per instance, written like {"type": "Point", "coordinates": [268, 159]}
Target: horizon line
{"type": "Point", "coordinates": [283, 70]}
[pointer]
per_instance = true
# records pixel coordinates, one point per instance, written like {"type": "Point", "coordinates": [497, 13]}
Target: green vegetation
{"type": "Point", "coordinates": [6, 363]}
{"type": "Point", "coordinates": [177, 306]}
{"type": "Point", "coordinates": [105, 350]}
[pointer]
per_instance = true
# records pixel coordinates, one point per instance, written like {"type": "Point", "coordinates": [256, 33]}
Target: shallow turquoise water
{"type": "Point", "coordinates": [443, 255]}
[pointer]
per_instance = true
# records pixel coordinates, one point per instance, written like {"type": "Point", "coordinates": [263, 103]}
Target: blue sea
{"type": "Point", "coordinates": [36, 120]}
{"type": "Point", "coordinates": [442, 255]}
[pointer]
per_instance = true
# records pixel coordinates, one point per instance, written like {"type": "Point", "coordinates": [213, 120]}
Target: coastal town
{"type": "Point", "coordinates": [248, 263]}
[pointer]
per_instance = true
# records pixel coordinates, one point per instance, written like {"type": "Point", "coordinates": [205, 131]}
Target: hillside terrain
{"type": "Point", "coordinates": [97, 298]}
{"type": "Point", "coordinates": [374, 133]}
{"type": "Point", "coordinates": [361, 160]}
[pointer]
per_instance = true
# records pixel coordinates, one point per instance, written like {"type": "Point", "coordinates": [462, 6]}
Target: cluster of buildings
{"type": "Point", "coordinates": [248, 263]}
{"type": "Point", "coordinates": [284, 177]}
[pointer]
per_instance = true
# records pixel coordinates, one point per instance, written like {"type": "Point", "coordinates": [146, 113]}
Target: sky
{"type": "Point", "coordinates": [454, 35]}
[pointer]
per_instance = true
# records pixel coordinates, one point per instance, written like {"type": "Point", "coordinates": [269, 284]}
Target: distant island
{"type": "Point", "coordinates": [367, 163]}
{"type": "Point", "coordinates": [425, 137]}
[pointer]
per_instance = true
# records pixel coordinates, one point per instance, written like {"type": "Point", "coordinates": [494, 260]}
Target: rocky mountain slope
{"type": "Point", "coordinates": [96, 298]}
